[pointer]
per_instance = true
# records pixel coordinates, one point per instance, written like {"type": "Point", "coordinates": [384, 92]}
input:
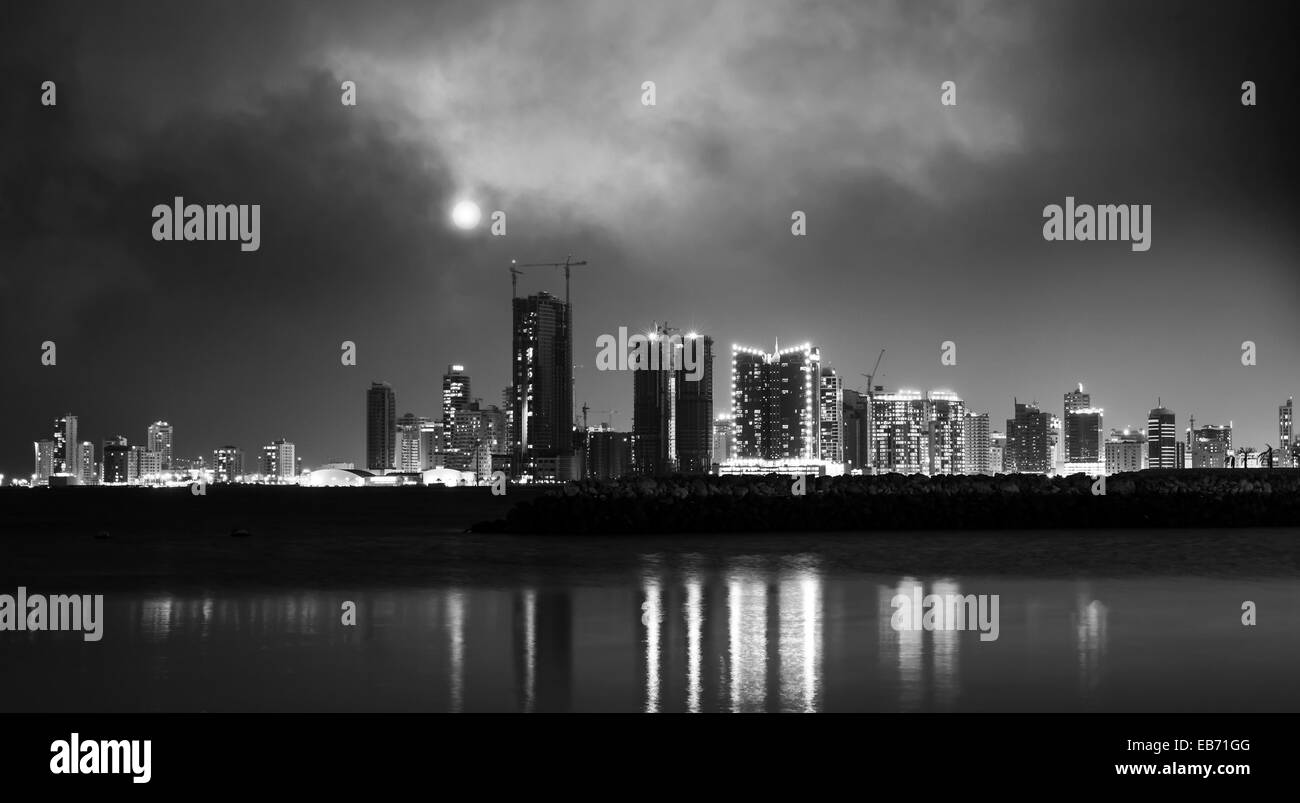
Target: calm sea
{"type": "Point", "coordinates": [1128, 621]}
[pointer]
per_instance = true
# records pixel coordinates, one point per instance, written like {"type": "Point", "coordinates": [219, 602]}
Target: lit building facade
{"type": "Point", "coordinates": [1030, 446]}
{"type": "Point", "coordinates": [66, 451]}
{"type": "Point", "coordinates": [432, 450]}
{"type": "Point", "coordinates": [1162, 439]}
{"type": "Point", "coordinates": [915, 433]}
{"type": "Point", "coordinates": [775, 403]}
{"type": "Point", "coordinates": [541, 421]}
{"type": "Point", "coordinates": [724, 437]}
{"type": "Point", "coordinates": [159, 439]}
{"type": "Point", "coordinates": [997, 451]}
{"type": "Point", "coordinates": [672, 414]}
{"type": "Point", "coordinates": [410, 444]}
{"type": "Point", "coordinates": [1211, 445]}
{"type": "Point", "coordinates": [1084, 451]}
{"type": "Point", "coordinates": [89, 476]}
{"type": "Point", "coordinates": [147, 465]}
{"type": "Point", "coordinates": [1055, 444]}
{"type": "Point", "coordinates": [279, 461]}
{"type": "Point", "coordinates": [831, 424]}
{"type": "Point", "coordinates": [1126, 450]}
{"type": "Point", "coordinates": [44, 462]}
{"type": "Point", "coordinates": [478, 428]}
{"type": "Point", "coordinates": [946, 433]}
{"type": "Point", "coordinates": [455, 399]}
{"type": "Point", "coordinates": [1288, 449]}
{"type": "Point", "coordinates": [694, 417]}
{"type": "Point", "coordinates": [899, 438]}
{"type": "Point", "coordinates": [976, 445]}
{"type": "Point", "coordinates": [229, 464]}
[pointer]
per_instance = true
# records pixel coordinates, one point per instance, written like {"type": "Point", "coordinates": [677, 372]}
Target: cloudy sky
{"type": "Point", "coordinates": [924, 221]}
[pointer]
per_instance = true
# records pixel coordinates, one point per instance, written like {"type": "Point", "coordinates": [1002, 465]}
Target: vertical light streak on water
{"type": "Point", "coordinates": [456, 642]}
{"type": "Point", "coordinates": [800, 645]}
{"type": "Point", "coordinates": [530, 649]}
{"type": "Point", "coordinates": [651, 616]}
{"type": "Point", "coordinates": [946, 642]}
{"type": "Point", "coordinates": [747, 639]}
{"type": "Point", "coordinates": [694, 614]}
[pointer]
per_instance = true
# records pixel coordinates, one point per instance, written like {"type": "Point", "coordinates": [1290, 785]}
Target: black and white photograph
{"type": "Point", "coordinates": [930, 362]}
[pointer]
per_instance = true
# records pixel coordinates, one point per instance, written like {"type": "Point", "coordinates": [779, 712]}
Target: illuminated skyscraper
{"type": "Point", "coordinates": [1084, 451]}
{"type": "Point", "coordinates": [455, 398]}
{"type": "Point", "coordinates": [541, 427]}
{"type": "Point", "coordinates": [900, 441]}
{"type": "Point", "coordinates": [67, 458]}
{"type": "Point", "coordinates": [775, 402]}
{"type": "Point", "coordinates": [145, 466]}
{"type": "Point", "coordinates": [229, 462]}
{"type": "Point", "coordinates": [381, 427]}
{"type": "Point", "coordinates": [409, 453]}
{"type": "Point", "coordinates": [672, 414]}
{"type": "Point", "coordinates": [1077, 399]}
{"type": "Point", "coordinates": [117, 462]}
{"type": "Point", "coordinates": [279, 460]}
{"type": "Point", "coordinates": [831, 444]}
{"type": "Point", "coordinates": [159, 440]}
{"type": "Point", "coordinates": [915, 433]}
{"type": "Point", "coordinates": [997, 452]}
{"type": "Point", "coordinates": [1162, 438]}
{"type": "Point", "coordinates": [976, 449]}
{"type": "Point", "coordinates": [44, 467]}
{"type": "Point", "coordinates": [1029, 447]}
{"type": "Point", "coordinates": [654, 417]}
{"type": "Point", "coordinates": [1055, 444]}
{"type": "Point", "coordinates": [88, 474]}
{"type": "Point", "coordinates": [477, 428]}
{"type": "Point", "coordinates": [694, 400]}
{"type": "Point", "coordinates": [946, 433]}
{"type": "Point", "coordinates": [432, 450]}
{"type": "Point", "coordinates": [1289, 450]}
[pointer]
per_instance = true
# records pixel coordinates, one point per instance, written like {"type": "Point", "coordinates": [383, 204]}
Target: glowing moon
{"type": "Point", "coordinates": [466, 215]}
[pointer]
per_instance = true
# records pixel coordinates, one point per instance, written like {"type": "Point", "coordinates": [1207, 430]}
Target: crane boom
{"type": "Point", "coordinates": [871, 377]}
{"type": "Point", "coordinates": [567, 264]}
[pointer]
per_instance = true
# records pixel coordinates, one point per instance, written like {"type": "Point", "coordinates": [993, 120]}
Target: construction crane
{"type": "Point", "coordinates": [567, 264]}
{"type": "Point", "coordinates": [872, 387]}
{"type": "Point", "coordinates": [609, 416]}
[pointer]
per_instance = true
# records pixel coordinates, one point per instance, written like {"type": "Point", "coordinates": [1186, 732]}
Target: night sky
{"type": "Point", "coordinates": [924, 221]}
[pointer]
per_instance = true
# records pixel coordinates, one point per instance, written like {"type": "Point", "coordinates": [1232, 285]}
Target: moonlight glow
{"type": "Point", "coordinates": [466, 215]}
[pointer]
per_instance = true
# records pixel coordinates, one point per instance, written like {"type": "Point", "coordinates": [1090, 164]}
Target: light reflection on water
{"type": "Point", "coordinates": [681, 633]}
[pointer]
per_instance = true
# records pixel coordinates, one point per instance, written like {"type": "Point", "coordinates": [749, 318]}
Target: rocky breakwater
{"type": "Point", "coordinates": [709, 504]}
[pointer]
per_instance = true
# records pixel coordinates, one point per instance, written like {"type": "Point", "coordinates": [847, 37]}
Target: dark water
{"type": "Point", "coordinates": [686, 624]}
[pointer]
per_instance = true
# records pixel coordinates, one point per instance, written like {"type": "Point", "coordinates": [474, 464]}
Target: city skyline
{"type": "Point", "coordinates": [924, 222]}
{"type": "Point", "coordinates": [1034, 440]}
